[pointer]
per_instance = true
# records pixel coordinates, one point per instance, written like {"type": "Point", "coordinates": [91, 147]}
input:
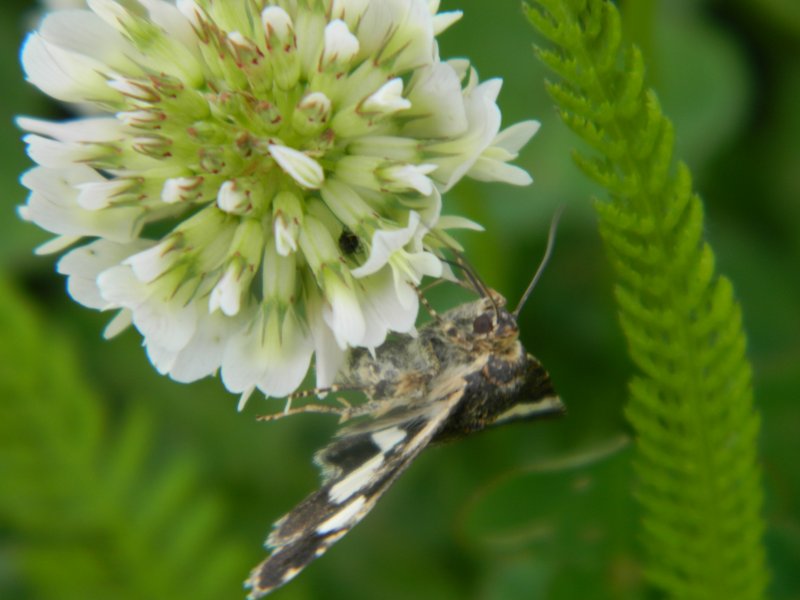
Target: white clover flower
{"type": "Point", "coordinates": [232, 148]}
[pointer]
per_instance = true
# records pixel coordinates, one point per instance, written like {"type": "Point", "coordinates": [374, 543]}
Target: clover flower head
{"type": "Point", "coordinates": [234, 152]}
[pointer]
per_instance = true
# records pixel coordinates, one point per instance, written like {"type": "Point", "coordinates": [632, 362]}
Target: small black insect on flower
{"type": "Point", "coordinates": [349, 242]}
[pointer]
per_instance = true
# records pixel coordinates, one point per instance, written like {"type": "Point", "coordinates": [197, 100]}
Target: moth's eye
{"type": "Point", "coordinates": [482, 324]}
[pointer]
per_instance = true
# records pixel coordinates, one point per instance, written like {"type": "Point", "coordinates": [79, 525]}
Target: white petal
{"type": "Point", "coordinates": [163, 359]}
{"type": "Point", "coordinates": [458, 222]}
{"type": "Point", "coordinates": [445, 20]}
{"type": "Point", "coordinates": [425, 263]}
{"type": "Point", "coordinates": [339, 45]}
{"type": "Point", "coordinates": [191, 11]}
{"type": "Point", "coordinates": [513, 138]}
{"type": "Point", "coordinates": [53, 206]}
{"type": "Point", "coordinates": [494, 170]}
{"type": "Point", "coordinates": [328, 356]}
{"type": "Point", "coordinates": [163, 317]}
{"type": "Point", "coordinates": [271, 355]}
{"type": "Point", "coordinates": [153, 262]}
{"type": "Point", "coordinates": [57, 155]}
{"type": "Point", "coordinates": [285, 236]}
{"type": "Point", "coordinates": [55, 245]}
{"type": "Point", "coordinates": [484, 122]}
{"type": "Point", "coordinates": [277, 22]}
{"type": "Point", "coordinates": [302, 168]}
{"type": "Point", "coordinates": [404, 178]}
{"type": "Point", "coordinates": [437, 104]}
{"type": "Point", "coordinates": [387, 99]}
{"type": "Point", "coordinates": [170, 18]}
{"type": "Point", "coordinates": [351, 10]}
{"type": "Point", "coordinates": [242, 363]}
{"type": "Point", "coordinates": [83, 265]}
{"type": "Point", "coordinates": [227, 294]}
{"type": "Point", "coordinates": [202, 356]}
{"type": "Point", "coordinates": [166, 322]}
{"type": "Point", "coordinates": [402, 29]}
{"type": "Point", "coordinates": [121, 321]}
{"type": "Point", "coordinates": [343, 314]}
{"type": "Point", "coordinates": [83, 32]}
{"type": "Point", "coordinates": [431, 210]}
{"type": "Point", "coordinates": [62, 74]}
{"type": "Point", "coordinates": [119, 288]}
{"type": "Point", "coordinates": [179, 189]}
{"type": "Point", "coordinates": [110, 12]}
{"type": "Point", "coordinates": [383, 309]}
{"type": "Point", "coordinates": [244, 397]}
{"type": "Point", "coordinates": [95, 195]}
{"type": "Point", "coordinates": [406, 294]}
{"type": "Point", "coordinates": [284, 375]}
{"type": "Point", "coordinates": [231, 198]}
{"type": "Point", "coordinates": [384, 243]}
{"type": "Point", "coordinates": [85, 129]}
{"type": "Point", "coordinates": [461, 66]}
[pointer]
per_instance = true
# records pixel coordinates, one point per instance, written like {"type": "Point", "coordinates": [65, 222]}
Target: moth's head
{"type": "Point", "coordinates": [485, 320]}
{"type": "Point", "coordinates": [488, 318]}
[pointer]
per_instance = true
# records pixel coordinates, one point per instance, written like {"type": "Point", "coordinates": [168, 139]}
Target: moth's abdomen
{"type": "Point", "coordinates": [401, 367]}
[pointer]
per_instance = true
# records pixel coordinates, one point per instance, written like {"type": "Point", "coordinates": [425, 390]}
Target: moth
{"type": "Point", "coordinates": [465, 371]}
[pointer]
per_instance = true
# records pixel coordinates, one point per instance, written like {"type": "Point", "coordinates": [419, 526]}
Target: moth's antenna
{"type": "Point", "coordinates": [551, 240]}
{"type": "Point", "coordinates": [461, 262]}
{"type": "Point", "coordinates": [476, 285]}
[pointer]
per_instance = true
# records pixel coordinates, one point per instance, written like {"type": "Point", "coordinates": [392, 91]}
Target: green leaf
{"type": "Point", "coordinates": [85, 512]}
{"type": "Point", "coordinates": [691, 404]}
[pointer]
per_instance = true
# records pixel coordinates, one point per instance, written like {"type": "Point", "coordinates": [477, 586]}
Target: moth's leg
{"type": "Point", "coordinates": [345, 412]}
{"type": "Point", "coordinates": [324, 391]}
{"type": "Point", "coordinates": [424, 301]}
{"type": "Point", "coordinates": [320, 392]}
{"type": "Point", "coordinates": [307, 408]}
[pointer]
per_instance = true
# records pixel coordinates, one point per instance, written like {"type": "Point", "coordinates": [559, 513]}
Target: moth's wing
{"type": "Point", "coordinates": [536, 398]}
{"type": "Point", "coordinates": [358, 467]}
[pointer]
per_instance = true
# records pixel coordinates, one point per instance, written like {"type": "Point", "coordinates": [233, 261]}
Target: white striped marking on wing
{"type": "Point", "coordinates": [290, 573]}
{"type": "Point", "coordinates": [545, 405]}
{"type": "Point", "coordinates": [342, 518]}
{"type": "Point", "coordinates": [356, 480]}
{"type": "Point", "coordinates": [388, 438]}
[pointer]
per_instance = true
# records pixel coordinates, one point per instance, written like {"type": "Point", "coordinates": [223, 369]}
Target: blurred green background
{"type": "Point", "coordinates": [116, 482]}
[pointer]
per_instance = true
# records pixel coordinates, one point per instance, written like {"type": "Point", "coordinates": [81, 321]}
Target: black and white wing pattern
{"type": "Point", "coordinates": [358, 467]}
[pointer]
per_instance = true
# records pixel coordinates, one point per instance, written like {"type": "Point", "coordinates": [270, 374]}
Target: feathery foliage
{"type": "Point", "coordinates": [82, 514]}
{"type": "Point", "coordinates": [691, 403]}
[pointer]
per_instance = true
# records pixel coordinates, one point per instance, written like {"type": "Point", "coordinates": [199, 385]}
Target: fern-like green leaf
{"type": "Point", "coordinates": [691, 403]}
{"type": "Point", "coordinates": [84, 513]}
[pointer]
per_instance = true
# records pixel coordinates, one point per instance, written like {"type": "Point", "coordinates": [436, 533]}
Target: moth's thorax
{"type": "Point", "coordinates": [460, 339]}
